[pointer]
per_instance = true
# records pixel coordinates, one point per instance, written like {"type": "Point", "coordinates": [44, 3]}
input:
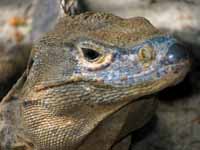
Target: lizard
{"type": "Point", "coordinates": [88, 83]}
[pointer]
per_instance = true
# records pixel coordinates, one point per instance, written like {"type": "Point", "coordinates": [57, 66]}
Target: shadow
{"type": "Point", "coordinates": [146, 130]}
{"type": "Point", "coordinates": [84, 6]}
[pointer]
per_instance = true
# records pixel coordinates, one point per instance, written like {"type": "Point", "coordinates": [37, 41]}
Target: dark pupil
{"type": "Point", "coordinates": [90, 54]}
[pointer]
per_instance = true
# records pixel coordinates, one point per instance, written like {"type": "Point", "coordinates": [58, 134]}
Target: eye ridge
{"type": "Point", "coordinates": [90, 54]}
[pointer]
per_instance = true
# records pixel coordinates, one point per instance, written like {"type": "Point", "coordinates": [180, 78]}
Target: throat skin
{"type": "Point", "coordinates": [118, 126]}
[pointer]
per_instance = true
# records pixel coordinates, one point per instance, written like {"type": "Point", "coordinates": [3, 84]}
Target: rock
{"type": "Point", "coordinates": [21, 23]}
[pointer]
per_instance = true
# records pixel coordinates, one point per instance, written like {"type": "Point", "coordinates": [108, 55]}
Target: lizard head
{"type": "Point", "coordinates": [153, 64]}
{"type": "Point", "coordinates": [137, 70]}
{"type": "Point", "coordinates": [90, 66]}
{"type": "Point", "coordinates": [103, 54]}
{"type": "Point", "coordinates": [127, 56]}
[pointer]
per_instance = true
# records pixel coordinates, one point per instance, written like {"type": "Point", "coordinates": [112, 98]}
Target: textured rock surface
{"type": "Point", "coordinates": [21, 22]}
{"type": "Point", "coordinates": [37, 17]}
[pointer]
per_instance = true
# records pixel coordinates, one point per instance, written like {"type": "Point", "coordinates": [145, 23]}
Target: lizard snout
{"type": "Point", "coordinates": [176, 54]}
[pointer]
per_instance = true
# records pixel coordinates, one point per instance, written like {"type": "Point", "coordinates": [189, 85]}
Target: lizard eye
{"type": "Point", "coordinates": [90, 54]}
{"type": "Point", "coordinates": [93, 56]}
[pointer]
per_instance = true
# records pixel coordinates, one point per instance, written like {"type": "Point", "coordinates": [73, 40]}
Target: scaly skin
{"type": "Point", "coordinates": [85, 86]}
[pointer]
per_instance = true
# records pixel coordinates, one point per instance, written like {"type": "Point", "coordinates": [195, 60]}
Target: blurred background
{"type": "Point", "coordinates": [177, 125]}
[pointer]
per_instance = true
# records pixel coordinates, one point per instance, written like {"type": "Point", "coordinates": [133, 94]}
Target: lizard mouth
{"type": "Point", "coordinates": [179, 71]}
{"type": "Point", "coordinates": [174, 73]}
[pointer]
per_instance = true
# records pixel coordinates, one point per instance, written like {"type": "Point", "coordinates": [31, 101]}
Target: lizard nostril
{"type": "Point", "coordinates": [146, 54]}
